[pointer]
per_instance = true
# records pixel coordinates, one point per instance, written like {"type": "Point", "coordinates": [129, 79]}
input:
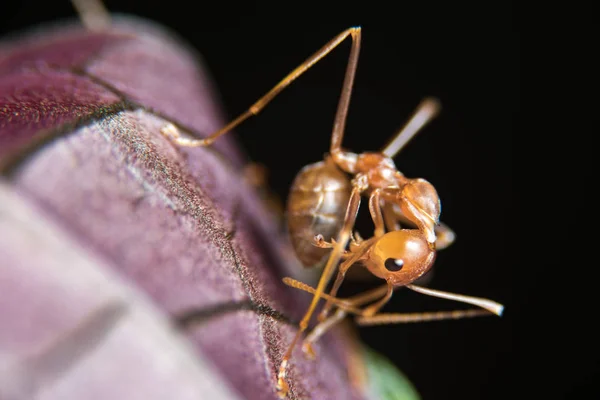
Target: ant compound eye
{"type": "Point", "coordinates": [394, 264]}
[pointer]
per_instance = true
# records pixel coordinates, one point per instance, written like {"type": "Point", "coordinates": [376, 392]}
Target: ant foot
{"type": "Point", "coordinates": [309, 350]}
{"type": "Point", "coordinates": [320, 241]}
{"type": "Point", "coordinates": [323, 315]}
{"type": "Point", "coordinates": [170, 131]}
{"type": "Point", "coordinates": [282, 388]}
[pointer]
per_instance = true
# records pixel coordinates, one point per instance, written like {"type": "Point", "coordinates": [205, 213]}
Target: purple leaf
{"type": "Point", "coordinates": [80, 120]}
{"type": "Point", "coordinates": [72, 329]}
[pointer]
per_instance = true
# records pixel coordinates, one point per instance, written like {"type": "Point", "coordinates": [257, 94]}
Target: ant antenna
{"type": "Point", "coordinates": [351, 305]}
{"type": "Point", "coordinates": [489, 305]}
{"type": "Point", "coordinates": [384, 319]}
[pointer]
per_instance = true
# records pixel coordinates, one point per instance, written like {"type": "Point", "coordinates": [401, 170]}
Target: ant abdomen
{"type": "Point", "coordinates": [316, 206]}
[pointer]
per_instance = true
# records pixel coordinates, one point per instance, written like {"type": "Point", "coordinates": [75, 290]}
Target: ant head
{"type": "Point", "coordinates": [401, 256]}
{"type": "Point", "coordinates": [421, 204]}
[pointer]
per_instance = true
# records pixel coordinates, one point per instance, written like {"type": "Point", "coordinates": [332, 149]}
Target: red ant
{"type": "Point", "coordinates": [324, 201]}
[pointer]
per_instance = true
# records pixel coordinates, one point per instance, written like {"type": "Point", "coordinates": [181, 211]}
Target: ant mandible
{"type": "Point", "coordinates": [324, 201]}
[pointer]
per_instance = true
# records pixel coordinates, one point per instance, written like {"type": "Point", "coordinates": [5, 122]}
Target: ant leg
{"type": "Point", "coordinates": [355, 242]}
{"type": "Point", "coordinates": [356, 238]}
{"type": "Point", "coordinates": [344, 267]}
{"type": "Point", "coordinates": [375, 209]}
{"type": "Point", "coordinates": [263, 101]}
{"type": "Point", "coordinates": [256, 174]}
{"type": "Point", "coordinates": [376, 216]}
{"type": "Point", "coordinates": [345, 306]}
{"type": "Point", "coordinates": [374, 308]}
{"type": "Point", "coordinates": [348, 304]}
{"type": "Point", "coordinates": [339, 123]}
{"type": "Point", "coordinates": [92, 14]}
{"type": "Point", "coordinates": [368, 296]}
{"type": "Point", "coordinates": [489, 307]}
{"type": "Point", "coordinates": [334, 258]}
{"type": "Point", "coordinates": [425, 112]}
{"type": "Point", "coordinates": [320, 242]}
{"type": "Point", "coordinates": [389, 217]}
{"type": "Point", "coordinates": [319, 330]}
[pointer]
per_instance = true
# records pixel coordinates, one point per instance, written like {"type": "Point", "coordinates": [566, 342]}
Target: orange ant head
{"type": "Point", "coordinates": [400, 257]}
{"type": "Point", "coordinates": [420, 203]}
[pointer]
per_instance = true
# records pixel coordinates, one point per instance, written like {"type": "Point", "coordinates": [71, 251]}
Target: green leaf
{"type": "Point", "coordinates": [385, 381]}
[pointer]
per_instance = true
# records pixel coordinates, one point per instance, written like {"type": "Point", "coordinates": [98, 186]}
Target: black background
{"type": "Point", "coordinates": [466, 54]}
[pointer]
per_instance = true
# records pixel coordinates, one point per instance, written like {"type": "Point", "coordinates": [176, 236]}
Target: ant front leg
{"type": "Point", "coordinates": [374, 308]}
{"type": "Point", "coordinates": [355, 242]}
{"type": "Point", "coordinates": [321, 243]}
{"type": "Point", "coordinates": [376, 216]}
{"type": "Point", "coordinates": [390, 218]}
{"type": "Point", "coordinates": [343, 268]}
{"type": "Point", "coordinates": [349, 306]}
{"type": "Point", "coordinates": [256, 175]}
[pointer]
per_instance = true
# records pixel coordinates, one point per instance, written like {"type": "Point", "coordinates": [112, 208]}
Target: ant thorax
{"type": "Point", "coordinates": [378, 170]}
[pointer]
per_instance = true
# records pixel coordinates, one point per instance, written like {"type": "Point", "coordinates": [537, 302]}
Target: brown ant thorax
{"type": "Point", "coordinates": [417, 198]}
{"type": "Point", "coordinates": [400, 257]}
{"type": "Point", "coordinates": [378, 169]}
